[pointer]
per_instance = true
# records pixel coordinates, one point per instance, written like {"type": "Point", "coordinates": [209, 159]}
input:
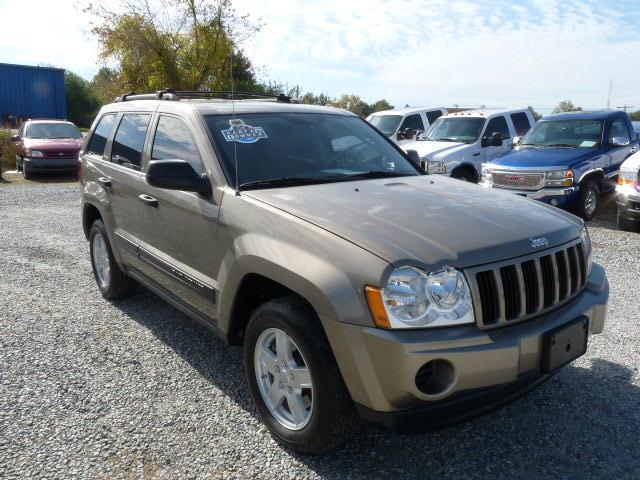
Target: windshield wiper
{"type": "Point", "coordinates": [377, 174]}
{"type": "Point", "coordinates": [447, 139]}
{"type": "Point", "coordinates": [537, 145]}
{"type": "Point", "coordinates": [565, 145]}
{"type": "Point", "coordinates": [286, 182]}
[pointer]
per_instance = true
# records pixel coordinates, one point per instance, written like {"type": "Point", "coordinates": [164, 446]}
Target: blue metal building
{"type": "Point", "coordinates": [31, 92]}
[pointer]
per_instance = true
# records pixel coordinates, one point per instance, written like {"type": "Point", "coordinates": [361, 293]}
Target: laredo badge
{"type": "Point", "coordinates": [239, 132]}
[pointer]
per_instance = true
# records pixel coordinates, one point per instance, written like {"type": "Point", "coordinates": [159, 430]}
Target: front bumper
{"type": "Point", "coordinates": [380, 366]}
{"type": "Point", "coordinates": [628, 203]}
{"type": "Point", "coordinates": [558, 197]}
{"type": "Point", "coordinates": [51, 164]}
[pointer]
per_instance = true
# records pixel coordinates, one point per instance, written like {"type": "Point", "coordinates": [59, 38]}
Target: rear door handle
{"type": "Point", "coordinates": [105, 182]}
{"type": "Point", "coordinates": [148, 200]}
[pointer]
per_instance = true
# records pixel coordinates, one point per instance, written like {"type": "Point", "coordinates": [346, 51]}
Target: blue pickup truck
{"type": "Point", "coordinates": [567, 160]}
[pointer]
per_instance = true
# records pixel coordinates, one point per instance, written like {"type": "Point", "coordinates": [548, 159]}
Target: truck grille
{"type": "Point", "coordinates": [516, 290]}
{"type": "Point", "coordinates": [518, 180]}
{"type": "Point", "coordinates": [62, 154]}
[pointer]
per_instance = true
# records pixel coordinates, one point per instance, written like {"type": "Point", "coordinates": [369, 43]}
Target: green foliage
{"type": "Point", "coordinates": [181, 44]}
{"type": "Point", "coordinates": [355, 104]}
{"type": "Point", "coordinates": [635, 116]}
{"type": "Point", "coordinates": [536, 116]}
{"type": "Point", "coordinates": [566, 106]}
{"type": "Point", "coordinates": [8, 152]}
{"type": "Point", "coordinates": [82, 101]}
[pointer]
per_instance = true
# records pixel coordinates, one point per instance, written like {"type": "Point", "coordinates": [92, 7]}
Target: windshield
{"type": "Point", "coordinates": [565, 133]}
{"type": "Point", "coordinates": [455, 129]}
{"type": "Point", "coordinates": [52, 130]}
{"type": "Point", "coordinates": [313, 147]}
{"type": "Point", "coordinates": [387, 124]}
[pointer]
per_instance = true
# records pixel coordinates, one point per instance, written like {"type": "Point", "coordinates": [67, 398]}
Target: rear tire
{"type": "Point", "coordinates": [329, 413]}
{"type": "Point", "coordinates": [112, 282]}
{"type": "Point", "coordinates": [26, 172]}
{"type": "Point", "coordinates": [589, 200]}
{"type": "Point", "coordinates": [626, 224]}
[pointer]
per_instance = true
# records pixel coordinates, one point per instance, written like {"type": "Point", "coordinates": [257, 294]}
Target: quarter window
{"type": "Point", "coordinates": [433, 116]}
{"type": "Point", "coordinates": [100, 135]}
{"type": "Point", "coordinates": [498, 124]}
{"type": "Point", "coordinates": [174, 141]}
{"type": "Point", "coordinates": [520, 123]}
{"type": "Point", "coordinates": [129, 140]}
{"type": "Point", "coordinates": [414, 122]}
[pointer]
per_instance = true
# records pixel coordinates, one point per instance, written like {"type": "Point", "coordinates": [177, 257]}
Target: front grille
{"type": "Point", "coordinates": [518, 180]}
{"type": "Point", "coordinates": [519, 289]}
{"type": "Point", "coordinates": [62, 154]}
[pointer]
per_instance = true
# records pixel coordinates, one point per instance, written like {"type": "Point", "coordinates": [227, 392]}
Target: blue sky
{"type": "Point", "coordinates": [433, 52]}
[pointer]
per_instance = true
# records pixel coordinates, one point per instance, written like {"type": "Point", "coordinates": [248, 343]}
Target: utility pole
{"type": "Point", "coordinates": [624, 107]}
{"type": "Point", "coordinates": [609, 97]}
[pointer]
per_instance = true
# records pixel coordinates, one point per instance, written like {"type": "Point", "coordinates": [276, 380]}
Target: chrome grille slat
{"type": "Point", "coordinates": [518, 180]}
{"type": "Point", "coordinates": [516, 290]}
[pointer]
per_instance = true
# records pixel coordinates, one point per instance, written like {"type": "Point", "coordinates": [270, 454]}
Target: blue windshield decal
{"type": "Point", "coordinates": [239, 132]}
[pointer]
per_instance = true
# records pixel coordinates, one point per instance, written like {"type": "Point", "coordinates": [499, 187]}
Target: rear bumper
{"type": "Point", "coordinates": [51, 164]}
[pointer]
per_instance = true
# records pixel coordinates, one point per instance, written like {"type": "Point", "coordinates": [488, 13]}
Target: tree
{"type": "Point", "coordinates": [105, 85]}
{"type": "Point", "coordinates": [536, 116]}
{"type": "Point", "coordinates": [635, 116]}
{"type": "Point", "coordinates": [82, 101]}
{"type": "Point", "coordinates": [181, 44]}
{"type": "Point", "coordinates": [566, 106]}
{"type": "Point", "coordinates": [381, 105]}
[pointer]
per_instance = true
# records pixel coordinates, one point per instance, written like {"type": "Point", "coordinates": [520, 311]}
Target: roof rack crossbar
{"type": "Point", "coordinates": [170, 94]}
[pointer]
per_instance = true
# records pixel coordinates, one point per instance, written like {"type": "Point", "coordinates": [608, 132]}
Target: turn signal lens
{"type": "Point", "coordinates": [376, 305]}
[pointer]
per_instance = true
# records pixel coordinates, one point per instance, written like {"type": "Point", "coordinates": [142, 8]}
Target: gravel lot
{"type": "Point", "coordinates": [134, 389]}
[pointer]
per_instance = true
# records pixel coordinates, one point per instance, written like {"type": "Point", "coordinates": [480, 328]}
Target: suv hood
{"type": "Point", "coordinates": [426, 220]}
{"type": "Point", "coordinates": [531, 157]}
{"type": "Point", "coordinates": [427, 147]}
{"type": "Point", "coordinates": [53, 144]}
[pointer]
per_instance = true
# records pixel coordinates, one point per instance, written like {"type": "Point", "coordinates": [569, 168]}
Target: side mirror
{"type": "Point", "coordinates": [516, 141]}
{"type": "Point", "coordinates": [619, 142]}
{"type": "Point", "coordinates": [414, 157]}
{"type": "Point", "coordinates": [496, 139]}
{"type": "Point", "coordinates": [15, 138]}
{"type": "Point", "coordinates": [177, 175]}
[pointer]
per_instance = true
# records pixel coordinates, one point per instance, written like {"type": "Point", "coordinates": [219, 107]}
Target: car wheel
{"type": "Point", "coordinates": [464, 175]}
{"type": "Point", "coordinates": [112, 281]}
{"type": "Point", "coordinates": [19, 165]}
{"type": "Point", "coordinates": [589, 200]}
{"type": "Point", "coordinates": [294, 379]}
{"type": "Point", "coordinates": [26, 172]}
{"type": "Point", "coordinates": [626, 224]}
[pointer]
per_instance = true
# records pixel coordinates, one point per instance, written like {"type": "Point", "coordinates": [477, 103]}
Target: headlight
{"type": "Point", "coordinates": [559, 178]}
{"type": "Point", "coordinates": [627, 179]}
{"type": "Point", "coordinates": [34, 153]}
{"type": "Point", "coordinates": [586, 241]}
{"type": "Point", "coordinates": [413, 298]}
{"type": "Point", "coordinates": [435, 166]}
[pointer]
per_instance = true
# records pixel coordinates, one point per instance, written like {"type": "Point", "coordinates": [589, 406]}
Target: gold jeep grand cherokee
{"type": "Point", "coordinates": [359, 287]}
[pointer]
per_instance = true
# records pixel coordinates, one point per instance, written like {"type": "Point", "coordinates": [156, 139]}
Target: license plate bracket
{"type": "Point", "coordinates": [564, 344]}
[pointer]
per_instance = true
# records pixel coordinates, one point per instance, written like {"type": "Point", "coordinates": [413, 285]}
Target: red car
{"type": "Point", "coordinates": [47, 146]}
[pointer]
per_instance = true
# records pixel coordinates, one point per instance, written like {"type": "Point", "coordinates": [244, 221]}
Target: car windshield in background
{"type": "Point", "coordinates": [456, 129]}
{"type": "Point", "coordinates": [564, 133]}
{"type": "Point", "coordinates": [387, 124]}
{"type": "Point", "coordinates": [53, 130]}
{"type": "Point", "coordinates": [296, 148]}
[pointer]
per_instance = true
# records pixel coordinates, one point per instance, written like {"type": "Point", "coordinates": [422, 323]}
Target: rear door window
{"type": "Point", "coordinates": [498, 124]}
{"type": "Point", "coordinates": [101, 135]}
{"type": "Point", "coordinates": [618, 129]}
{"type": "Point", "coordinates": [129, 140]}
{"type": "Point", "coordinates": [173, 141]}
{"type": "Point", "coordinates": [414, 122]}
{"type": "Point", "coordinates": [433, 116]}
{"type": "Point", "coordinates": [520, 123]}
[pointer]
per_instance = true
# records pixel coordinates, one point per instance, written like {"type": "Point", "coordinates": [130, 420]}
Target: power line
{"type": "Point", "coordinates": [624, 107]}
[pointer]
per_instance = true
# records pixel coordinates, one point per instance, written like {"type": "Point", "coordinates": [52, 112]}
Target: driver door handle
{"type": "Point", "coordinates": [105, 182]}
{"type": "Point", "coordinates": [148, 200]}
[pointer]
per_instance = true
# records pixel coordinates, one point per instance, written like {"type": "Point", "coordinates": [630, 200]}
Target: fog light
{"type": "Point", "coordinates": [554, 202]}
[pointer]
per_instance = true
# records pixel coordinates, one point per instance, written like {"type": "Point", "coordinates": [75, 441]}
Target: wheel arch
{"type": "Point", "coordinates": [596, 174]}
{"type": "Point", "coordinates": [90, 213]}
{"type": "Point", "coordinates": [467, 167]}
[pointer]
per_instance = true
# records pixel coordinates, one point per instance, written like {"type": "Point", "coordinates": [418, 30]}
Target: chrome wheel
{"type": "Point", "coordinates": [590, 202]}
{"type": "Point", "coordinates": [101, 262]}
{"type": "Point", "coordinates": [284, 379]}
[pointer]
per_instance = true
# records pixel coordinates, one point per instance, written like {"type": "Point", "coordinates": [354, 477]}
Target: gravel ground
{"type": "Point", "coordinates": [134, 389]}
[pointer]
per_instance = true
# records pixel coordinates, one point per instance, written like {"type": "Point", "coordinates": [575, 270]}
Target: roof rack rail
{"type": "Point", "coordinates": [176, 95]}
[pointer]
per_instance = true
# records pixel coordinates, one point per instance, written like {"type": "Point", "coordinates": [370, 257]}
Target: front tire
{"type": "Point", "coordinates": [294, 379]}
{"type": "Point", "coordinates": [26, 171]}
{"type": "Point", "coordinates": [464, 175]}
{"type": "Point", "coordinates": [111, 280]}
{"type": "Point", "coordinates": [589, 200]}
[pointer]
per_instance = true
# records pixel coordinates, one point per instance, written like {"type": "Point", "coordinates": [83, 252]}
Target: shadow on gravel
{"type": "Point", "coordinates": [583, 422]}
{"type": "Point", "coordinates": [15, 178]}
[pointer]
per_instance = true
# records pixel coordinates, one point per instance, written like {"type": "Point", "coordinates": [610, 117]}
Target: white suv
{"type": "Point", "coordinates": [458, 144]}
{"type": "Point", "coordinates": [402, 124]}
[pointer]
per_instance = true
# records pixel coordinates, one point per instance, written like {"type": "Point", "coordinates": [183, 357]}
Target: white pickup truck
{"type": "Point", "coordinates": [458, 144]}
{"type": "Point", "coordinates": [402, 124]}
